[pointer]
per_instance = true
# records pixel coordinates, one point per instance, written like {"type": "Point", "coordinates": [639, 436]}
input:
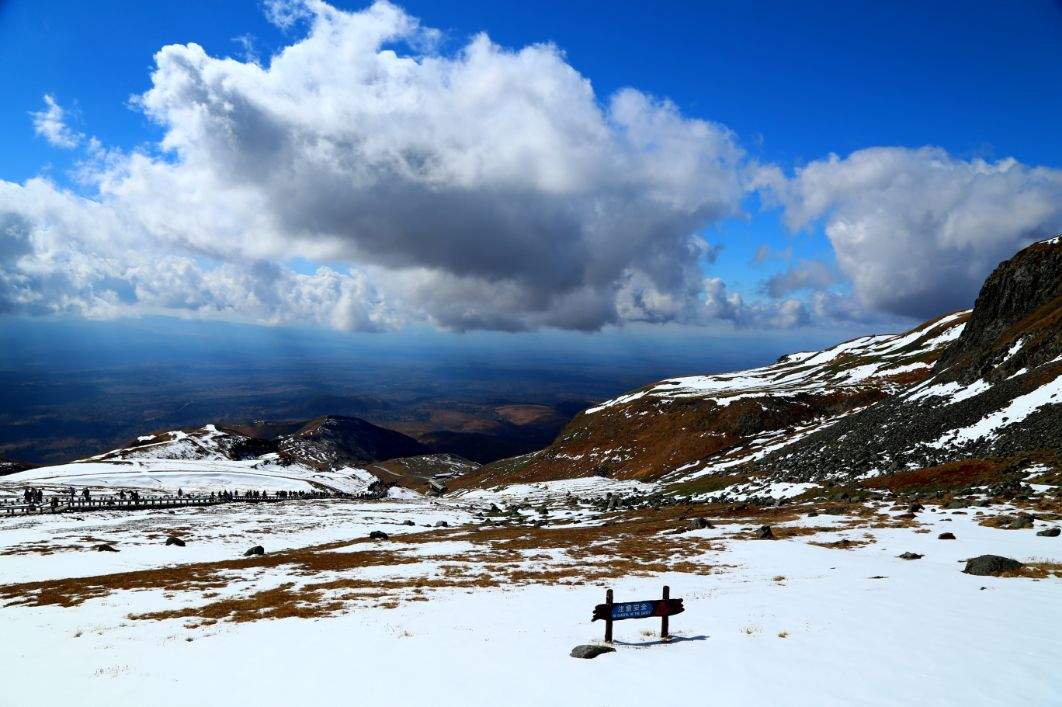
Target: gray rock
{"type": "Point", "coordinates": [910, 556]}
{"type": "Point", "coordinates": [1050, 532]}
{"type": "Point", "coordinates": [700, 524]}
{"type": "Point", "coordinates": [591, 651]}
{"type": "Point", "coordinates": [946, 536]}
{"type": "Point", "coordinates": [765, 533]}
{"type": "Point", "coordinates": [1021, 521]}
{"type": "Point", "coordinates": [991, 565]}
{"type": "Point", "coordinates": [377, 535]}
{"type": "Point", "coordinates": [106, 547]}
{"type": "Point", "coordinates": [174, 540]}
{"type": "Point", "coordinates": [441, 524]}
{"type": "Point", "coordinates": [408, 522]}
{"type": "Point", "coordinates": [256, 550]}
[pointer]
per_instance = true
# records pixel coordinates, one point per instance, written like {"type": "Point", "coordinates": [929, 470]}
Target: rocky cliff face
{"type": "Point", "coordinates": [975, 384]}
{"type": "Point", "coordinates": [1015, 322]}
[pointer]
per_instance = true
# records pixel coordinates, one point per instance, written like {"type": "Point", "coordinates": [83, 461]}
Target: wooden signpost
{"type": "Point", "coordinates": [611, 611]}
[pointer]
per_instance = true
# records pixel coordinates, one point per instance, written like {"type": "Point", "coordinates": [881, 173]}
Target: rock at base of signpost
{"type": "Point", "coordinates": [377, 535]}
{"type": "Point", "coordinates": [991, 565]}
{"type": "Point", "coordinates": [256, 550]}
{"type": "Point", "coordinates": [765, 533]}
{"type": "Point", "coordinates": [174, 540]}
{"type": "Point", "coordinates": [106, 547]}
{"type": "Point", "coordinates": [591, 651]}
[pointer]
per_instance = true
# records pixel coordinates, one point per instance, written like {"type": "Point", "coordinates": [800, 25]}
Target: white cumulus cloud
{"type": "Point", "coordinates": [51, 124]}
{"type": "Point", "coordinates": [916, 231]}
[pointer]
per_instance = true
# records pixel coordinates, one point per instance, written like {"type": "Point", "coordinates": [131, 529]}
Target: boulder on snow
{"type": "Point", "coordinates": [377, 535]}
{"type": "Point", "coordinates": [700, 524]}
{"type": "Point", "coordinates": [256, 550]}
{"type": "Point", "coordinates": [910, 556]}
{"type": "Point", "coordinates": [174, 540]}
{"type": "Point", "coordinates": [991, 565]}
{"type": "Point", "coordinates": [441, 524]}
{"type": "Point", "coordinates": [765, 533]}
{"type": "Point", "coordinates": [105, 547]}
{"type": "Point", "coordinates": [1050, 533]}
{"type": "Point", "coordinates": [591, 651]}
{"type": "Point", "coordinates": [408, 522]}
{"type": "Point", "coordinates": [946, 536]}
{"type": "Point", "coordinates": [1021, 521]}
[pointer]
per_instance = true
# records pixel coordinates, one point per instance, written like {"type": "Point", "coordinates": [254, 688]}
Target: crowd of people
{"type": "Point", "coordinates": [35, 497]}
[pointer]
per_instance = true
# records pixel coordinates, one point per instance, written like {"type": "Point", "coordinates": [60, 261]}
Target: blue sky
{"type": "Point", "coordinates": [792, 83]}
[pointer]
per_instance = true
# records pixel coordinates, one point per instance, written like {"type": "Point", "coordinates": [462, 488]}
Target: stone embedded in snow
{"type": "Point", "coordinates": [991, 565]}
{"type": "Point", "coordinates": [946, 536]}
{"type": "Point", "coordinates": [1050, 533]}
{"type": "Point", "coordinates": [377, 535]}
{"type": "Point", "coordinates": [1021, 521]}
{"type": "Point", "coordinates": [256, 550]}
{"type": "Point", "coordinates": [765, 533]}
{"type": "Point", "coordinates": [408, 522]}
{"type": "Point", "coordinates": [591, 651]}
{"type": "Point", "coordinates": [700, 524]}
{"type": "Point", "coordinates": [106, 547]}
{"type": "Point", "coordinates": [910, 556]}
{"type": "Point", "coordinates": [174, 540]}
{"type": "Point", "coordinates": [441, 524]}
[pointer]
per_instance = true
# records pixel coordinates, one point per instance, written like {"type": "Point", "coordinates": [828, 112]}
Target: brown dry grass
{"type": "Point", "coordinates": [958, 474]}
{"type": "Point", "coordinates": [502, 556]}
{"type": "Point", "coordinates": [845, 543]}
{"type": "Point", "coordinates": [1037, 570]}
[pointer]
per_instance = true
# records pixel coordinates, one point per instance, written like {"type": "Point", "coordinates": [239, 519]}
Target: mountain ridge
{"type": "Point", "coordinates": [865, 407]}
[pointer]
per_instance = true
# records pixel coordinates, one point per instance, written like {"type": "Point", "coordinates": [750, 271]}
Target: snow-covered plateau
{"type": "Point", "coordinates": [486, 608]}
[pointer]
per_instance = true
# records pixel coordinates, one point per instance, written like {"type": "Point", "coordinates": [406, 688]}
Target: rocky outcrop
{"type": "Point", "coordinates": [1021, 301]}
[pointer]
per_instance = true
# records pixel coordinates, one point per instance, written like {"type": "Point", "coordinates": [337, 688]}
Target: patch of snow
{"type": "Point", "coordinates": [1017, 410]}
{"type": "Point", "coordinates": [615, 401]}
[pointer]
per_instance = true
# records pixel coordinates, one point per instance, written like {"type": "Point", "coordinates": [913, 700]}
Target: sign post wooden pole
{"type": "Point", "coordinates": [663, 619]}
{"type": "Point", "coordinates": [608, 619]}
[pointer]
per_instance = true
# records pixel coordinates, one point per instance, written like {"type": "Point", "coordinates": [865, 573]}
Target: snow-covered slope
{"type": "Point", "coordinates": [208, 443]}
{"type": "Point", "coordinates": [692, 423]}
{"type": "Point", "coordinates": [195, 476]}
{"type": "Point", "coordinates": [976, 383]}
{"type": "Point", "coordinates": [210, 458]}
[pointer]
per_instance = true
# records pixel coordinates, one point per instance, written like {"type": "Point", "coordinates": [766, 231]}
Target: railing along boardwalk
{"type": "Point", "coordinates": [66, 504]}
